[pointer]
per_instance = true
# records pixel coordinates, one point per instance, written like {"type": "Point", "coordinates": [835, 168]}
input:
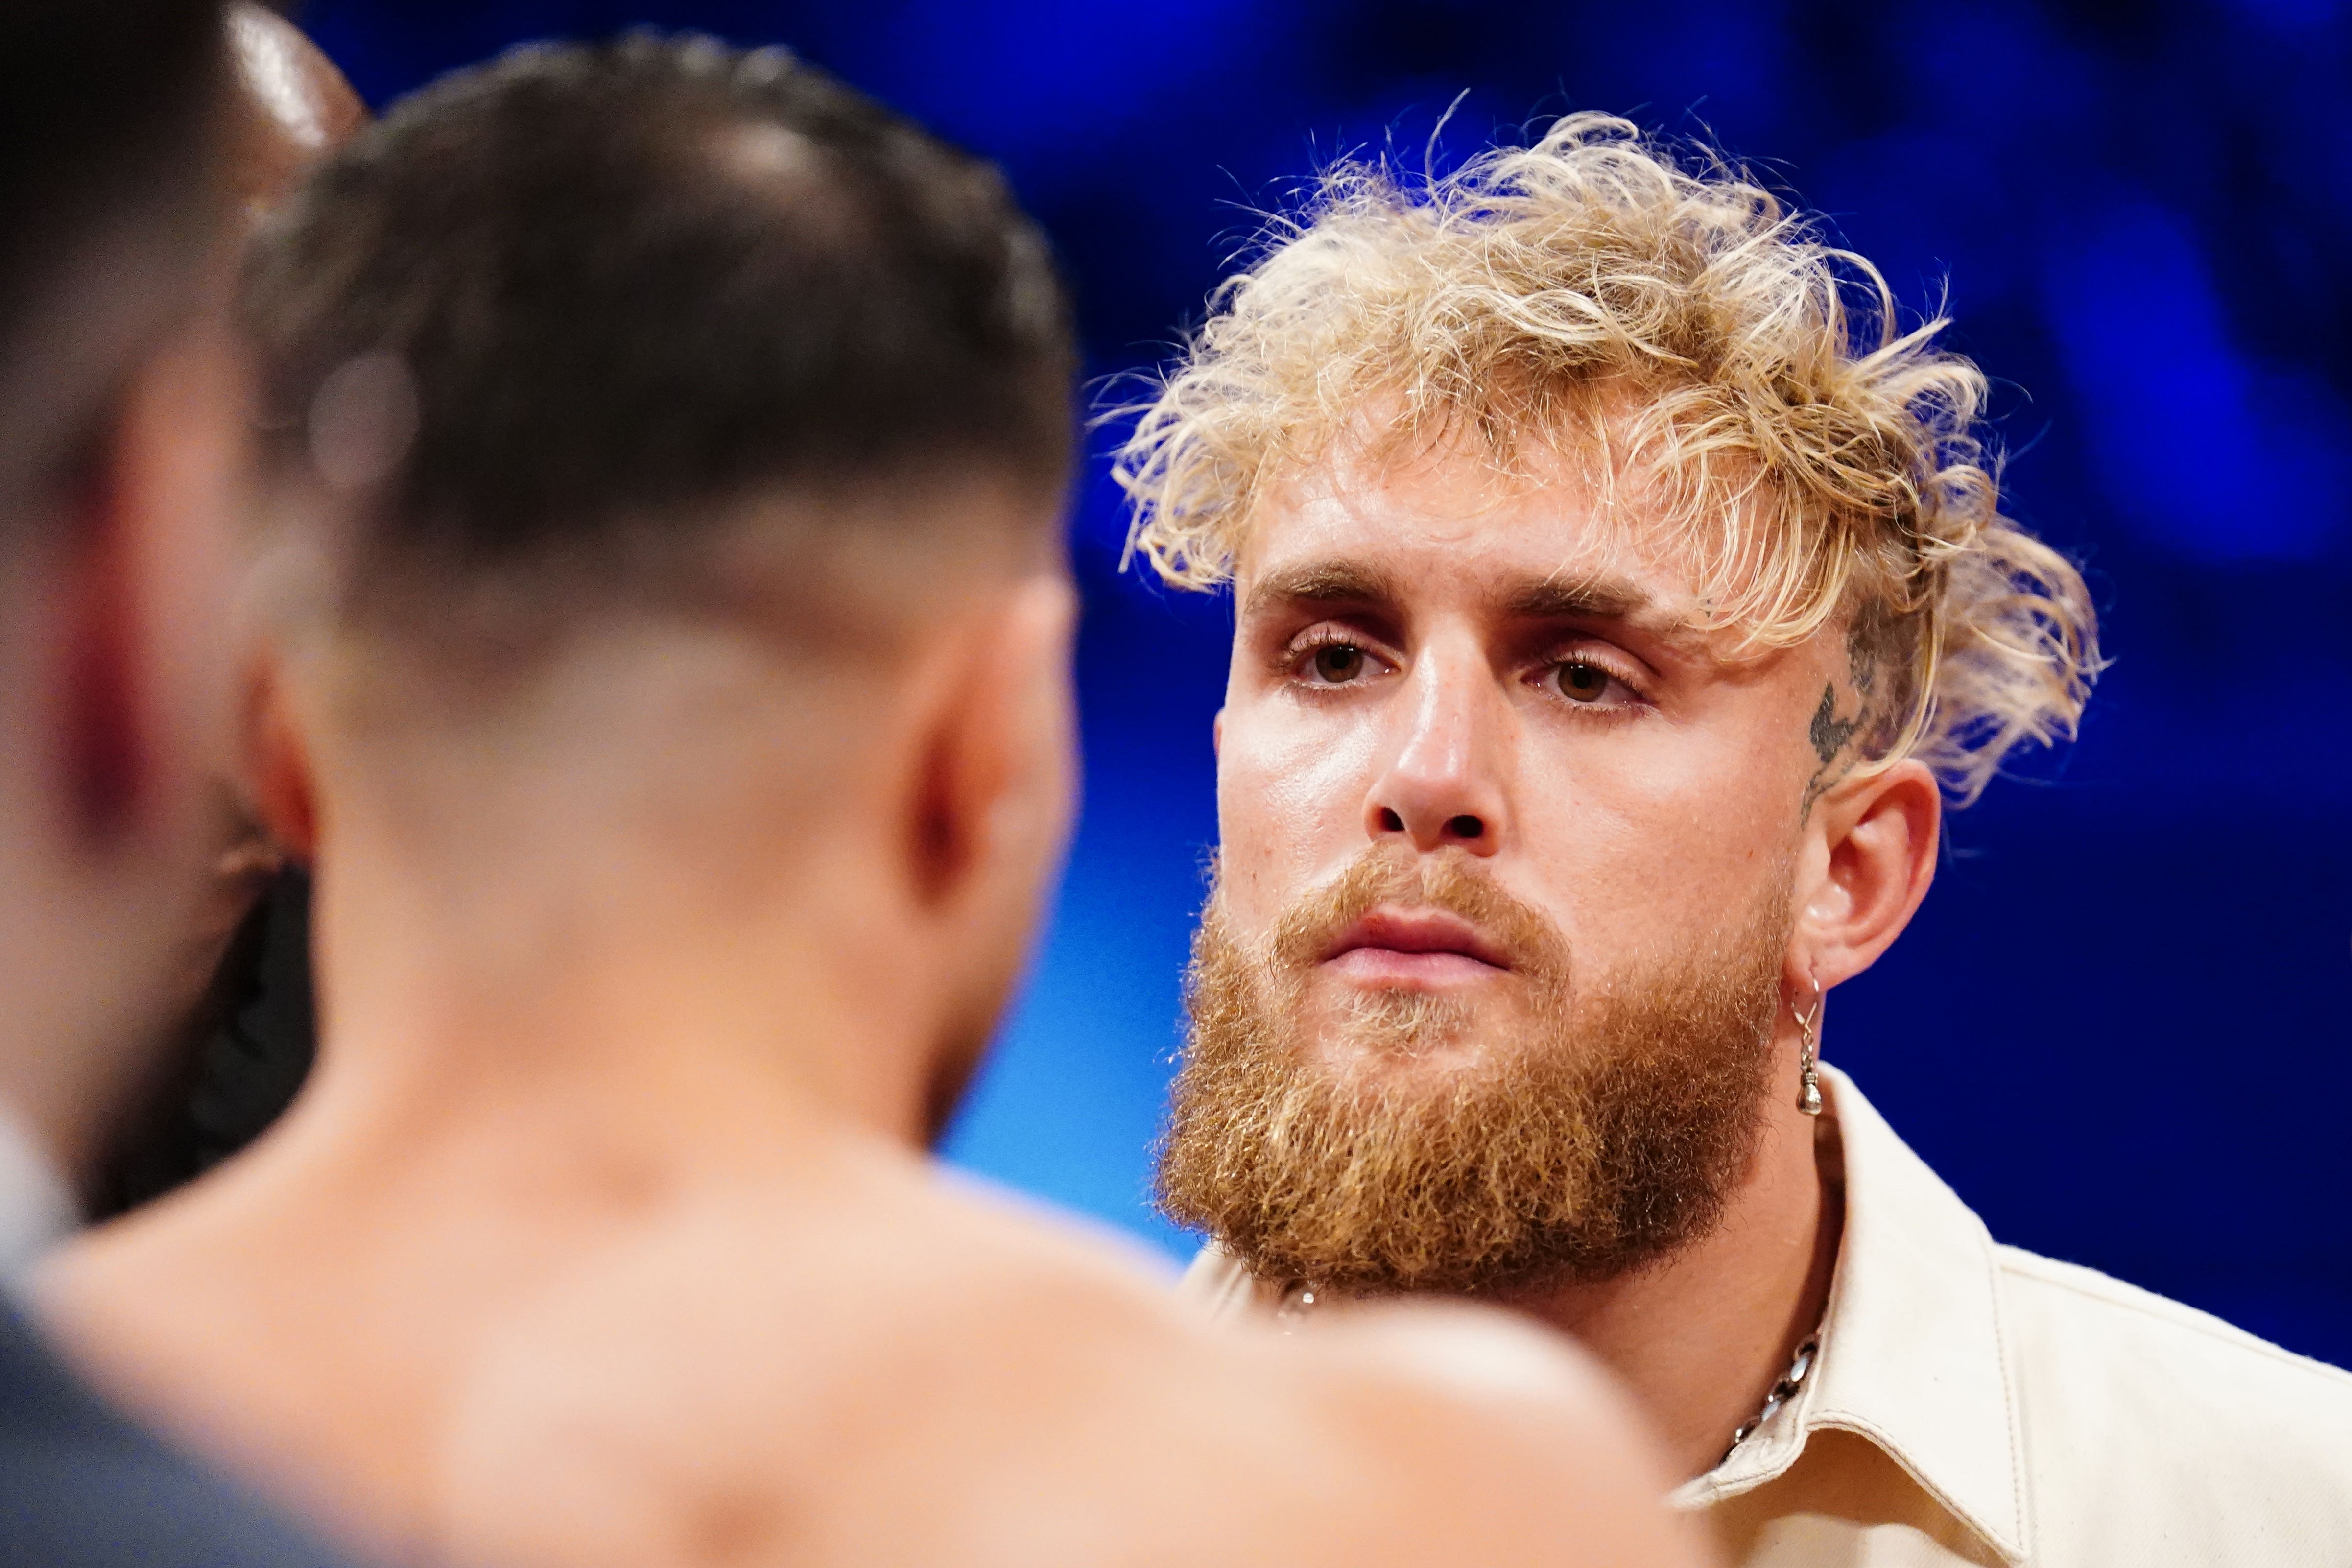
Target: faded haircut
{"type": "Point", "coordinates": [1602, 292]}
{"type": "Point", "coordinates": [547, 334]}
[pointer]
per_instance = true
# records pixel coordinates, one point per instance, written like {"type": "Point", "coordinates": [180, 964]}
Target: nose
{"type": "Point", "coordinates": [1441, 785]}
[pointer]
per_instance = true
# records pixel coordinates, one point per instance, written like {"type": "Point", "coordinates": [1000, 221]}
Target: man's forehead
{"type": "Point", "coordinates": [1454, 532]}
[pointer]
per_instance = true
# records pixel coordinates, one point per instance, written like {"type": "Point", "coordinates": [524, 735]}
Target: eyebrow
{"type": "Point", "coordinates": [1322, 582]}
{"type": "Point", "coordinates": [1594, 598]}
{"type": "Point", "coordinates": [1604, 598]}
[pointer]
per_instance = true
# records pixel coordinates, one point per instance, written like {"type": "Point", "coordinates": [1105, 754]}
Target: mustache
{"type": "Point", "coordinates": [1451, 880]}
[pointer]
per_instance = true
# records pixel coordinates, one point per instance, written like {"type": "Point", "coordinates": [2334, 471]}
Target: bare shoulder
{"type": "Point", "coordinates": [1491, 1439]}
{"type": "Point", "coordinates": [146, 1308]}
{"type": "Point", "coordinates": [924, 1375]}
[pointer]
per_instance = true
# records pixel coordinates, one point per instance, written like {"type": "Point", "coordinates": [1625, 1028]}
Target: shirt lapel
{"type": "Point", "coordinates": [1912, 1355]}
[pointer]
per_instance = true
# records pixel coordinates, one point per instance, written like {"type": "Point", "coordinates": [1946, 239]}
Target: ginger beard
{"type": "Point", "coordinates": [1530, 1133]}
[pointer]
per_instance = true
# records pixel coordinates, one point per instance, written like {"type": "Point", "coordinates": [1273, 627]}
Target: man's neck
{"type": "Point", "coordinates": [502, 1092]}
{"type": "Point", "coordinates": [576, 959]}
{"type": "Point", "coordinates": [1701, 1339]}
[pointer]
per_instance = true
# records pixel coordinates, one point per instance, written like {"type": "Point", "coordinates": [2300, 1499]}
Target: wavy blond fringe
{"type": "Point", "coordinates": [1814, 463]}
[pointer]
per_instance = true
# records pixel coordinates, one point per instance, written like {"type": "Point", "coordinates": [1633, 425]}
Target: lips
{"type": "Point", "coordinates": [1420, 948]}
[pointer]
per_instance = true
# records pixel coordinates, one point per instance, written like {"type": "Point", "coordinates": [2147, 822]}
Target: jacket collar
{"type": "Point", "coordinates": [1911, 1347]}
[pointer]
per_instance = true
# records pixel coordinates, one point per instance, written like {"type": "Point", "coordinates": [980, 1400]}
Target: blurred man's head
{"type": "Point", "coordinates": [1615, 583]}
{"type": "Point", "coordinates": [286, 106]}
{"type": "Point", "coordinates": [118, 466]}
{"type": "Point", "coordinates": [670, 446]}
{"type": "Point", "coordinates": [292, 105]}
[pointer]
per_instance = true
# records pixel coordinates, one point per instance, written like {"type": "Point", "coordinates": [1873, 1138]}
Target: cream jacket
{"type": "Point", "coordinates": [1974, 1404]}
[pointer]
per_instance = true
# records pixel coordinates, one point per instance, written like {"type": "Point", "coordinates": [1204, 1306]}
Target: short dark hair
{"type": "Point", "coordinates": [109, 138]}
{"type": "Point", "coordinates": [632, 282]}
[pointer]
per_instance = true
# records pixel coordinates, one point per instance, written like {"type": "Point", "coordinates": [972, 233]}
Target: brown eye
{"type": "Point", "coordinates": [1338, 663]}
{"type": "Point", "coordinates": [1583, 682]}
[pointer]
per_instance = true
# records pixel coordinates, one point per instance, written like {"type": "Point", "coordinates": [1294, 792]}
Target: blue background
{"type": "Point", "coordinates": [2119, 1027]}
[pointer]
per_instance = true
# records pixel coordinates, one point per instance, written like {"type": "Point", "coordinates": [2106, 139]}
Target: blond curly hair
{"type": "Point", "coordinates": [1603, 291]}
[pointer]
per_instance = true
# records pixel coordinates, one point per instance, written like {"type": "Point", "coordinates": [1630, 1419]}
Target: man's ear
{"type": "Point", "coordinates": [146, 590]}
{"type": "Point", "coordinates": [278, 762]}
{"type": "Point", "coordinates": [997, 771]}
{"type": "Point", "coordinates": [1875, 859]}
{"type": "Point", "coordinates": [107, 709]}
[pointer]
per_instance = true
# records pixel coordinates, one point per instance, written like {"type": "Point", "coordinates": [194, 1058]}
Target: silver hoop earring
{"type": "Point", "coordinates": [1809, 1080]}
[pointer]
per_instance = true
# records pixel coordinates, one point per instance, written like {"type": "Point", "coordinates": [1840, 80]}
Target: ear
{"type": "Point", "coordinates": [997, 789]}
{"type": "Point", "coordinates": [998, 775]}
{"type": "Point", "coordinates": [1217, 735]}
{"type": "Point", "coordinates": [278, 762]}
{"type": "Point", "coordinates": [145, 590]}
{"type": "Point", "coordinates": [105, 706]}
{"type": "Point", "coordinates": [1873, 862]}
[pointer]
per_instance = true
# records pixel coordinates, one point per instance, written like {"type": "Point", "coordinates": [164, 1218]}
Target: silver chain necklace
{"type": "Point", "coordinates": [1299, 1299]}
{"type": "Point", "coordinates": [1799, 1367]}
